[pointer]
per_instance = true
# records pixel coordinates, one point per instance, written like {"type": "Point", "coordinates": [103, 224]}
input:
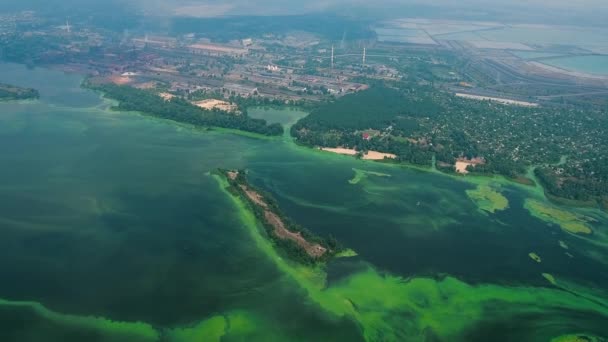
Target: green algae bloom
{"type": "Point", "coordinates": [362, 174]}
{"type": "Point", "coordinates": [111, 330]}
{"type": "Point", "coordinates": [535, 257]}
{"type": "Point", "coordinates": [218, 328]}
{"type": "Point", "coordinates": [550, 278]}
{"type": "Point", "coordinates": [576, 338]}
{"type": "Point", "coordinates": [488, 199]}
{"type": "Point", "coordinates": [568, 221]}
{"type": "Point", "coordinates": [391, 308]}
{"type": "Point", "coordinates": [212, 329]}
{"type": "Point", "coordinates": [347, 253]}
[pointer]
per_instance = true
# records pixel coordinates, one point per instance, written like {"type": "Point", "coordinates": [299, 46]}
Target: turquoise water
{"type": "Point", "coordinates": [587, 64]}
{"type": "Point", "coordinates": [533, 54]}
{"type": "Point", "coordinates": [548, 35]}
{"type": "Point", "coordinates": [115, 215]}
{"type": "Point", "coordinates": [536, 35]}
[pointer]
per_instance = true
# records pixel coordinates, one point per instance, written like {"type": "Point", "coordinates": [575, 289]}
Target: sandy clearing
{"type": "Point", "coordinates": [255, 197]}
{"type": "Point", "coordinates": [461, 167]}
{"type": "Point", "coordinates": [370, 155]}
{"type": "Point", "coordinates": [497, 99]}
{"type": "Point", "coordinates": [216, 104]}
{"type": "Point", "coordinates": [462, 163]}
{"type": "Point", "coordinates": [120, 80]}
{"type": "Point", "coordinates": [374, 155]}
{"type": "Point", "coordinates": [166, 96]}
{"type": "Point", "coordinates": [340, 150]}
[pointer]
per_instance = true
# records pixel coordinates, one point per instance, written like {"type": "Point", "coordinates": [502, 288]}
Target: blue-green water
{"type": "Point", "coordinates": [534, 54]}
{"type": "Point", "coordinates": [115, 215]}
{"type": "Point", "coordinates": [586, 64]}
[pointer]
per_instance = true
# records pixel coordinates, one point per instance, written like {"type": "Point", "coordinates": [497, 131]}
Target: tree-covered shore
{"type": "Point", "coordinates": [180, 110]}
{"type": "Point", "coordinates": [418, 123]}
{"type": "Point", "coordinates": [10, 92]}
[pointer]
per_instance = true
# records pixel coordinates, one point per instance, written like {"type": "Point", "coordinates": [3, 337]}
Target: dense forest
{"type": "Point", "coordinates": [180, 110]}
{"type": "Point", "coordinates": [11, 92]}
{"type": "Point", "coordinates": [418, 123]}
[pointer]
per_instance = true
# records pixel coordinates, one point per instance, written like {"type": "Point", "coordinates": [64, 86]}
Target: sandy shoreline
{"type": "Point", "coordinates": [370, 155]}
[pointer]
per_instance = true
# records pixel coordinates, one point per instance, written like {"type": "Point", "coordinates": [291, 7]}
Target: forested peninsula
{"type": "Point", "coordinates": [10, 92]}
{"type": "Point", "coordinates": [420, 124]}
{"type": "Point", "coordinates": [180, 110]}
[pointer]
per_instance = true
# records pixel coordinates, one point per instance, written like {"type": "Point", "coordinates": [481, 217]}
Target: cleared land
{"type": "Point", "coordinates": [370, 155]}
{"type": "Point", "coordinates": [497, 99]}
{"type": "Point", "coordinates": [211, 104]}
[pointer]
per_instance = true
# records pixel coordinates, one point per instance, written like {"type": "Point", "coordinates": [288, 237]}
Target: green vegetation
{"type": "Point", "coordinates": [362, 174]}
{"type": "Point", "coordinates": [488, 199]}
{"type": "Point", "coordinates": [390, 308]}
{"type": "Point", "coordinates": [577, 338]}
{"type": "Point", "coordinates": [535, 257]}
{"type": "Point", "coordinates": [11, 92]}
{"type": "Point", "coordinates": [568, 221]}
{"type": "Point", "coordinates": [418, 122]}
{"type": "Point", "coordinates": [347, 253]}
{"type": "Point", "coordinates": [105, 329]}
{"type": "Point", "coordinates": [132, 99]}
{"type": "Point", "coordinates": [550, 278]}
{"type": "Point", "coordinates": [287, 246]}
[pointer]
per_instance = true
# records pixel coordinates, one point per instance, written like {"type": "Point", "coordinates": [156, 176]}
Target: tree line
{"type": "Point", "coordinates": [180, 110]}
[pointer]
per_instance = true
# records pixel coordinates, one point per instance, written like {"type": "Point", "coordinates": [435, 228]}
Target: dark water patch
{"type": "Point", "coordinates": [542, 326]}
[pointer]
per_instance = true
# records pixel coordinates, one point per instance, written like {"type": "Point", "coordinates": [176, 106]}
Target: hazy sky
{"type": "Point", "coordinates": [556, 11]}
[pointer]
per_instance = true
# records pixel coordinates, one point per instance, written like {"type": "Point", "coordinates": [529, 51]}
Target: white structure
{"type": "Point", "coordinates": [364, 55]}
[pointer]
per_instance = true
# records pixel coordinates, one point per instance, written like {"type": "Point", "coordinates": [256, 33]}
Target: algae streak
{"type": "Point", "coordinates": [568, 221]}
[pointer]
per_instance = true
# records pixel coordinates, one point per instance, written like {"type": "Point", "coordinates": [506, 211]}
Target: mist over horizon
{"type": "Point", "coordinates": [561, 12]}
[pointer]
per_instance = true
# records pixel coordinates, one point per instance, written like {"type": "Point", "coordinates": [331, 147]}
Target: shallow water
{"type": "Point", "coordinates": [586, 64]}
{"type": "Point", "coordinates": [115, 215]}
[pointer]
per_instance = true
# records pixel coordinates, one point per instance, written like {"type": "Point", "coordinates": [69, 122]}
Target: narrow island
{"type": "Point", "coordinates": [11, 92]}
{"type": "Point", "coordinates": [293, 240]}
